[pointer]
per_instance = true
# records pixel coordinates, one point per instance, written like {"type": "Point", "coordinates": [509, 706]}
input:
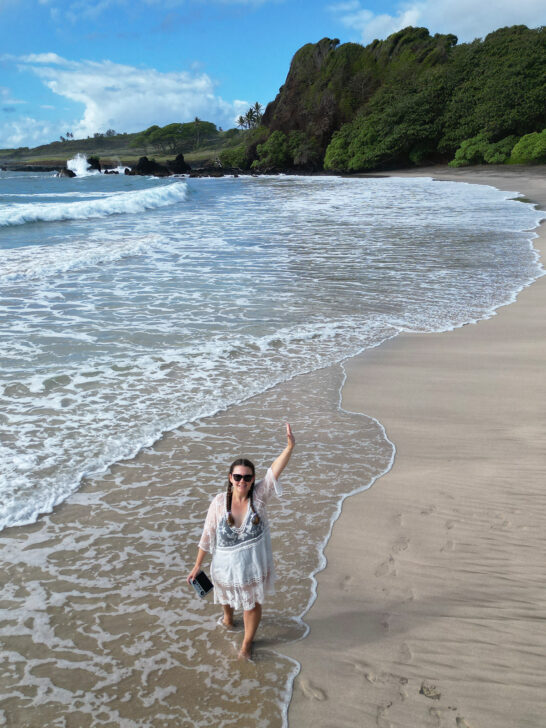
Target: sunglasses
{"type": "Point", "coordinates": [237, 477]}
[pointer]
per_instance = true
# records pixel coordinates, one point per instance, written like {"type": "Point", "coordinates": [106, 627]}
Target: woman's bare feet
{"type": "Point", "coordinates": [245, 653]}
{"type": "Point", "coordinates": [227, 621]}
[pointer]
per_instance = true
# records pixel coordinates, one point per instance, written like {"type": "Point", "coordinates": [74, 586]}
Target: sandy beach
{"type": "Point", "coordinates": [431, 609]}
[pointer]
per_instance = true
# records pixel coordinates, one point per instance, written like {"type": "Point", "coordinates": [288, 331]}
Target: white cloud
{"type": "Point", "coordinates": [128, 99]}
{"type": "Point", "coordinates": [28, 132]}
{"type": "Point", "coordinates": [48, 58]}
{"type": "Point", "coordinates": [467, 19]}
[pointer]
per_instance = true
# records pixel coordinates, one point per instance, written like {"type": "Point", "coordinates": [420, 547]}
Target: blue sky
{"type": "Point", "coordinates": [89, 65]}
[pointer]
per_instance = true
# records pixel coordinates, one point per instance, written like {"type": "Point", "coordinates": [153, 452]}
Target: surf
{"type": "Point", "coordinates": [121, 203]}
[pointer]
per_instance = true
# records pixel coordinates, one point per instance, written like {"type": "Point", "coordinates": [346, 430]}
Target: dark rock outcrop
{"type": "Point", "coordinates": [146, 166]}
{"type": "Point", "coordinates": [94, 163]}
{"type": "Point", "coordinates": [178, 165]}
{"type": "Point", "coordinates": [65, 172]}
{"type": "Point", "coordinates": [208, 172]}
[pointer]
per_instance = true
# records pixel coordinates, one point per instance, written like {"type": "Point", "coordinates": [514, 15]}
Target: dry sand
{"type": "Point", "coordinates": [432, 609]}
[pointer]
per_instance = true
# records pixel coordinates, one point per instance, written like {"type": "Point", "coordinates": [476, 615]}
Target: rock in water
{"type": "Point", "coordinates": [178, 165]}
{"type": "Point", "coordinates": [150, 166]}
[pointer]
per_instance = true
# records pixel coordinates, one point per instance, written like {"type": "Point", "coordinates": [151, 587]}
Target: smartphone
{"type": "Point", "coordinates": [202, 584]}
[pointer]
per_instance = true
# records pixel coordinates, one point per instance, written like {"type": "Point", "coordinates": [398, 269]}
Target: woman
{"type": "Point", "coordinates": [236, 532]}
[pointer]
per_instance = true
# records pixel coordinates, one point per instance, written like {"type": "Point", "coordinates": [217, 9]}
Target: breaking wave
{"type": "Point", "coordinates": [128, 202]}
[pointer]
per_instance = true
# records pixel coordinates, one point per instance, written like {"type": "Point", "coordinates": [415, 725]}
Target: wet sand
{"type": "Point", "coordinates": [431, 609]}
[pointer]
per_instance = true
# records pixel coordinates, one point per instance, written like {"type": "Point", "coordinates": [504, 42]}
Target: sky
{"type": "Point", "coordinates": [86, 66]}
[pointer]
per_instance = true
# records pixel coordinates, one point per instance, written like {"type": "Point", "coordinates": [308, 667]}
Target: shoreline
{"type": "Point", "coordinates": [417, 614]}
{"type": "Point", "coordinates": [114, 510]}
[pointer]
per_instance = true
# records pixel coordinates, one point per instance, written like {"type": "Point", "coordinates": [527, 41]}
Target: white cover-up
{"type": "Point", "coordinates": [242, 568]}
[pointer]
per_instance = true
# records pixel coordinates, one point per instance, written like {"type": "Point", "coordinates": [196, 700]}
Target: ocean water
{"type": "Point", "coordinates": [153, 330]}
{"type": "Point", "coordinates": [132, 305]}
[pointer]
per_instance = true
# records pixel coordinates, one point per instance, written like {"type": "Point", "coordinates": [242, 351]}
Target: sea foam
{"type": "Point", "coordinates": [127, 202]}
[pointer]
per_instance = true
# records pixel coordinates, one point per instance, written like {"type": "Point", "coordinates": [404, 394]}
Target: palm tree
{"type": "Point", "coordinates": [257, 108]}
{"type": "Point", "coordinates": [250, 118]}
{"type": "Point", "coordinates": [241, 121]}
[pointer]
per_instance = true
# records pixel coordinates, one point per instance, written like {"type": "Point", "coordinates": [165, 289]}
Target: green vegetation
{"type": "Point", "coordinates": [531, 149]}
{"type": "Point", "coordinates": [415, 98]}
{"type": "Point", "coordinates": [177, 138]}
{"type": "Point", "coordinates": [200, 142]}
{"type": "Point", "coordinates": [273, 153]}
{"type": "Point", "coordinates": [478, 150]}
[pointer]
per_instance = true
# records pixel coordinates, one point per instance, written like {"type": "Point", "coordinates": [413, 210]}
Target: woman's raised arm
{"type": "Point", "coordinates": [279, 464]}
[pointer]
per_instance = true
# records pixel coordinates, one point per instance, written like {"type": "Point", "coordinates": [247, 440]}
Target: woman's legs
{"type": "Point", "coordinates": [251, 618]}
{"type": "Point", "coordinates": [228, 615]}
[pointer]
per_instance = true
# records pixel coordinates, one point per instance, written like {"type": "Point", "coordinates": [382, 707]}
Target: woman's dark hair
{"type": "Point", "coordinates": [247, 464]}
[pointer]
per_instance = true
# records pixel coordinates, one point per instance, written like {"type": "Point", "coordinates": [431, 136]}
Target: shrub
{"type": "Point", "coordinates": [478, 150]}
{"type": "Point", "coordinates": [273, 153]}
{"type": "Point", "coordinates": [304, 151]}
{"type": "Point", "coordinates": [531, 149]}
{"type": "Point", "coordinates": [471, 151]}
{"type": "Point", "coordinates": [235, 157]}
{"type": "Point", "coordinates": [499, 152]}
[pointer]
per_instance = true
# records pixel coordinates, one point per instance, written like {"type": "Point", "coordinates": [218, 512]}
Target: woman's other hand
{"type": "Point", "coordinates": [193, 573]}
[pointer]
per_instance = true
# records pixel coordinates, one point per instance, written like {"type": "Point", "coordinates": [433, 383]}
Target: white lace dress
{"type": "Point", "coordinates": [242, 561]}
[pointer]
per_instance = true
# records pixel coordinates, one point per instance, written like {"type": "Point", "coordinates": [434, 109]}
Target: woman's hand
{"type": "Point", "coordinates": [193, 573]}
{"type": "Point", "coordinates": [279, 464]}
{"type": "Point", "coordinates": [290, 436]}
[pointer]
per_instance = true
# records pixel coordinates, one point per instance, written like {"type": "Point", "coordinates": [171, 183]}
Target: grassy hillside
{"type": "Point", "coordinates": [198, 147]}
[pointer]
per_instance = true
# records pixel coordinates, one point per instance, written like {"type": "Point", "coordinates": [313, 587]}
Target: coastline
{"type": "Point", "coordinates": [146, 511]}
{"type": "Point", "coordinates": [427, 611]}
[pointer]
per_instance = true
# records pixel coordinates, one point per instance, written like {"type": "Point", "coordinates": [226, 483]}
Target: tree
{"type": "Point", "coordinates": [250, 118]}
{"type": "Point", "coordinates": [241, 122]}
{"type": "Point", "coordinates": [257, 108]}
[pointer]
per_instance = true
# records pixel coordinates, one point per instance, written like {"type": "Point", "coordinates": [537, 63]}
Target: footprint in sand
{"type": "Point", "coordinates": [363, 668]}
{"type": "Point", "coordinates": [387, 568]}
{"type": "Point", "coordinates": [381, 719]}
{"type": "Point", "coordinates": [347, 583]}
{"type": "Point", "coordinates": [449, 525]}
{"type": "Point", "coordinates": [310, 691]}
{"type": "Point", "coordinates": [461, 723]}
{"type": "Point", "coordinates": [428, 510]}
{"type": "Point", "coordinates": [448, 546]}
{"type": "Point", "coordinates": [401, 545]}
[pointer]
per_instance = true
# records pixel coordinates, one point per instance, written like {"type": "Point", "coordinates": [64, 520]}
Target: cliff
{"type": "Point", "coordinates": [413, 97]}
